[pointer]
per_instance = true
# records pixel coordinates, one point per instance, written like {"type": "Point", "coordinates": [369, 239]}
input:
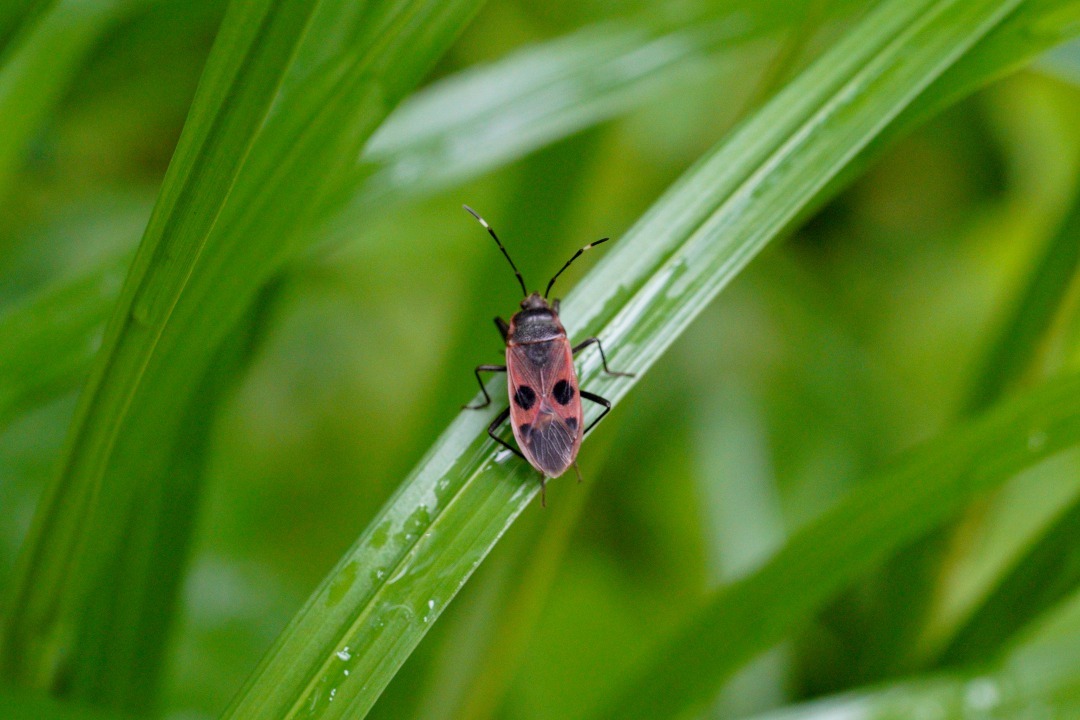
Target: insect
{"type": "Point", "coordinates": [545, 400]}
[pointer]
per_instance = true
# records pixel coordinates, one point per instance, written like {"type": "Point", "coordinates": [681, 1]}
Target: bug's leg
{"type": "Point", "coordinates": [495, 426]}
{"type": "Point", "coordinates": [596, 341]}
{"type": "Point", "coordinates": [599, 401]}
{"type": "Point", "coordinates": [555, 306]}
{"type": "Point", "coordinates": [578, 471]}
{"type": "Point", "coordinates": [543, 491]}
{"type": "Point", "coordinates": [504, 329]}
{"type": "Point", "coordinates": [487, 398]}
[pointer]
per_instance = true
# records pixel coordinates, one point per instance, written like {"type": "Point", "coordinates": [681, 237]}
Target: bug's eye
{"type": "Point", "coordinates": [525, 397]}
{"type": "Point", "coordinates": [563, 392]}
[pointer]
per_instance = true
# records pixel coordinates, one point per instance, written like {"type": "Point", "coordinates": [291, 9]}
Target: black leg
{"type": "Point", "coordinates": [599, 401]}
{"type": "Point", "coordinates": [591, 341]}
{"type": "Point", "coordinates": [495, 426]}
{"type": "Point", "coordinates": [504, 329]}
{"type": "Point", "coordinates": [487, 398]}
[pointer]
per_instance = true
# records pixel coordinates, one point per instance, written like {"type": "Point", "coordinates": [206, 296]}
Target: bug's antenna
{"type": "Point", "coordinates": [576, 256]}
{"type": "Point", "coordinates": [496, 237]}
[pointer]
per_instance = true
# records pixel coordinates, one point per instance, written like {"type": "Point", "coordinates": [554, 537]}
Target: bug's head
{"type": "Point", "coordinates": [535, 301]}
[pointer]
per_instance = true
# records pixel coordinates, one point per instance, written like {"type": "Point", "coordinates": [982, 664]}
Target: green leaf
{"type": "Point", "coordinates": [50, 339]}
{"type": "Point", "coordinates": [1048, 572]}
{"type": "Point", "coordinates": [340, 651]}
{"type": "Point", "coordinates": [1025, 330]}
{"type": "Point", "coordinates": [239, 84]}
{"type": "Point", "coordinates": [291, 92]}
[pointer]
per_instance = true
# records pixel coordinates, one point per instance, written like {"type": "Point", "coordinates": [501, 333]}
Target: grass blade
{"type": "Point", "coordinates": [918, 493]}
{"type": "Point", "coordinates": [1047, 573]}
{"type": "Point", "coordinates": [339, 652]}
{"type": "Point", "coordinates": [1025, 331]}
{"type": "Point", "coordinates": [49, 340]}
{"type": "Point", "coordinates": [237, 89]}
{"type": "Point", "coordinates": [290, 94]}
{"type": "Point", "coordinates": [1038, 677]}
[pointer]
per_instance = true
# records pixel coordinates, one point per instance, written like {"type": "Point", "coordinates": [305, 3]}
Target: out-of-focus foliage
{"type": "Point", "coordinates": [868, 347]}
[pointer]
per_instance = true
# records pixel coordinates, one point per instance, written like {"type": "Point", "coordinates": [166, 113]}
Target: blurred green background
{"type": "Point", "coordinates": [866, 332]}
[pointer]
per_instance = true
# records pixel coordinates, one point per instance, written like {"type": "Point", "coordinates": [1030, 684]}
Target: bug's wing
{"type": "Point", "coordinates": [548, 433]}
{"type": "Point", "coordinates": [551, 446]}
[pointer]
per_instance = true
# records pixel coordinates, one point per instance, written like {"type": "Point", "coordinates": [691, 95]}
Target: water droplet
{"type": "Point", "coordinates": [344, 654]}
{"type": "Point", "coordinates": [431, 609]}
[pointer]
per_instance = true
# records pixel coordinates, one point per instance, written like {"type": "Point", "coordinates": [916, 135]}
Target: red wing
{"type": "Point", "coordinates": [545, 406]}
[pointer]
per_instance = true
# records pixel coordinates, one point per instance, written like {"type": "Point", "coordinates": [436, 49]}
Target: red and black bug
{"type": "Point", "coordinates": [545, 400]}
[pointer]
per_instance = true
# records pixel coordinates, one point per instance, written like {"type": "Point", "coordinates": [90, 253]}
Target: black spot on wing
{"type": "Point", "coordinates": [563, 392]}
{"type": "Point", "coordinates": [571, 422]}
{"type": "Point", "coordinates": [524, 397]}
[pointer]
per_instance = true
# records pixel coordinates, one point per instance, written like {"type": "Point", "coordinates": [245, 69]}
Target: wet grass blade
{"type": "Point", "coordinates": [340, 651]}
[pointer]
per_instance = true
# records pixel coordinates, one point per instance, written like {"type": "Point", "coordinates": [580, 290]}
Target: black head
{"type": "Point", "coordinates": [537, 321]}
{"type": "Point", "coordinates": [534, 302]}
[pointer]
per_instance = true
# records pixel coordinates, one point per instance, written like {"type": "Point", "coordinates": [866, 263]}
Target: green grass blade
{"type": "Point", "coordinates": [356, 630]}
{"type": "Point", "coordinates": [49, 340]}
{"type": "Point", "coordinates": [1025, 330]}
{"type": "Point", "coordinates": [1014, 599]}
{"type": "Point", "coordinates": [1038, 677]}
{"type": "Point", "coordinates": [126, 670]}
{"type": "Point", "coordinates": [290, 94]}
{"type": "Point", "coordinates": [238, 87]}
{"type": "Point", "coordinates": [1048, 572]}
{"type": "Point", "coordinates": [487, 117]}
{"type": "Point", "coordinates": [916, 494]}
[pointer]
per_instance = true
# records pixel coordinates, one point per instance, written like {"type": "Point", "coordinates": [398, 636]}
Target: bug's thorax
{"type": "Point", "coordinates": [536, 322]}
